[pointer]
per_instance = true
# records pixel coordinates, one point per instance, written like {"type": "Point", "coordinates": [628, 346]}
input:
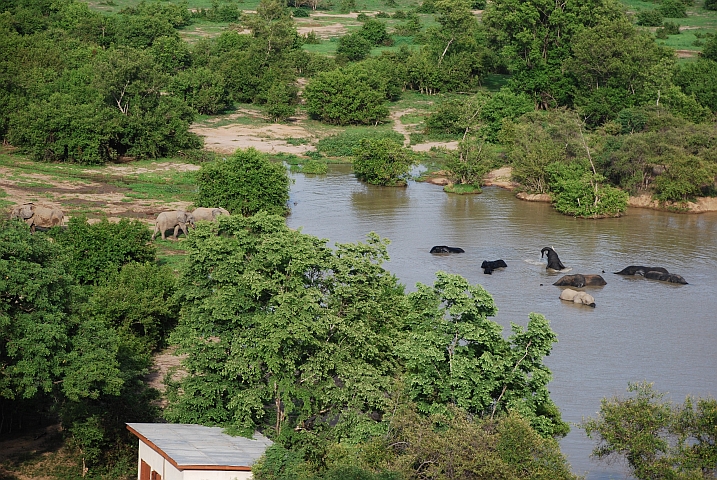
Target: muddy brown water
{"type": "Point", "coordinates": [640, 329]}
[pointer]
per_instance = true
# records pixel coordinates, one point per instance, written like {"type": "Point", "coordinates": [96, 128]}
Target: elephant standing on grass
{"type": "Point", "coordinates": [38, 216]}
{"type": "Point", "coordinates": [176, 219]}
{"type": "Point", "coordinates": [208, 214]}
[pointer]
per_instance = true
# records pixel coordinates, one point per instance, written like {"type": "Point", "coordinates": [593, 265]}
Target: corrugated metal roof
{"type": "Point", "coordinates": [199, 445]}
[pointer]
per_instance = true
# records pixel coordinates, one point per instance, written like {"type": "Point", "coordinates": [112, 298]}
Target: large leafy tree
{"type": "Point", "coordinates": [383, 162]}
{"type": "Point", "coordinates": [283, 333]}
{"type": "Point", "coordinates": [455, 354]}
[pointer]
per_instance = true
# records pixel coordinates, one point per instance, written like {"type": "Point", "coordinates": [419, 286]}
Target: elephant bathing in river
{"type": "Point", "coordinates": [208, 214]}
{"type": "Point", "coordinates": [38, 216]}
{"type": "Point", "coordinates": [580, 281]}
{"type": "Point", "coordinates": [653, 273]}
{"type": "Point", "coordinates": [176, 219]}
{"type": "Point", "coordinates": [577, 297]}
{"type": "Point", "coordinates": [554, 262]}
{"type": "Point", "coordinates": [445, 249]}
{"type": "Point", "coordinates": [488, 267]}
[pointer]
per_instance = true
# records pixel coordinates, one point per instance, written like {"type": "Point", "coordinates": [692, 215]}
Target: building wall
{"type": "Point", "coordinates": [215, 475]}
{"type": "Point", "coordinates": [154, 459]}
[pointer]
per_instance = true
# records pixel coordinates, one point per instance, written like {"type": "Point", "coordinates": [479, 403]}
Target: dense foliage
{"type": "Point", "coordinates": [244, 183]}
{"type": "Point", "coordinates": [657, 438]}
{"type": "Point", "coordinates": [66, 353]}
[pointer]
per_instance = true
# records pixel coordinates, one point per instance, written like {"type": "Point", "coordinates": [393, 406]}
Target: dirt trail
{"type": "Point", "coordinates": [403, 129]}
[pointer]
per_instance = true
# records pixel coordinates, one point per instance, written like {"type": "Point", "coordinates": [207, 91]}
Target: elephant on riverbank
{"type": "Point", "coordinates": [176, 219]}
{"type": "Point", "coordinates": [208, 214]}
{"type": "Point", "coordinates": [580, 281]}
{"type": "Point", "coordinates": [577, 297]}
{"type": "Point", "coordinates": [38, 215]}
{"type": "Point", "coordinates": [640, 270]}
{"type": "Point", "coordinates": [488, 267]}
{"type": "Point", "coordinates": [554, 262]}
{"type": "Point", "coordinates": [445, 249]}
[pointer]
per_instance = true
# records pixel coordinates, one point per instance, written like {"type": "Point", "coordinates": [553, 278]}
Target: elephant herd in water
{"type": "Point", "coordinates": [577, 280]}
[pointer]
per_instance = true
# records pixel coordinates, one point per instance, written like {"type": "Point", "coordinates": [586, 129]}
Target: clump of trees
{"type": "Point", "coordinates": [656, 438]}
{"type": "Point", "coordinates": [318, 347]}
{"type": "Point", "coordinates": [383, 162]}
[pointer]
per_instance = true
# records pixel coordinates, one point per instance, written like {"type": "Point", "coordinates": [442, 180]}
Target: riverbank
{"type": "Point", "coordinates": [502, 178]}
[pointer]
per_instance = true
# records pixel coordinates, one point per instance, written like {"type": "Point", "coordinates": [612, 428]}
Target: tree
{"type": "Point", "coordinates": [341, 98]}
{"type": "Point", "coordinates": [455, 355]}
{"type": "Point", "coordinates": [382, 162]}
{"type": "Point", "coordinates": [655, 437]}
{"type": "Point", "coordinates": [470, 163]}
{"type": "Point", "coordinates": [281, 100]}
{"type": "Point", "coordinates": [282, 332]}
{"type": "Point", "coordinates": [353, 47]}
{"type": "Point", "coordinates": [245, 183]}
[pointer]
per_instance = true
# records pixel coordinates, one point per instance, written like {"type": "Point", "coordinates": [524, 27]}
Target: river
{"type": "Point", "coordinates": [640, 329]}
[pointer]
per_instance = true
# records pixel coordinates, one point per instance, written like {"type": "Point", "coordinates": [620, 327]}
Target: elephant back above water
{"type": "Point", "coordinates": [38, 215]}
{"type": "Point", "coordinates": [208, 214]}
{"type": "Point", "coordinates": [665, 277]}
{"type": "Point", "coordinates": [554, 262]}
{"type": "Point", "coordinates": [640, 270]}
{"type": "Point", "coordinates": [176, 220]}
{"type": "Point", "coordinates": [446, 249]}
{"type": "Point", "coordinates": [577, 297]}
{"type": "Point", "coordinates": [580, 281]}
{"type": "Point", "coordinates": [489, 266]}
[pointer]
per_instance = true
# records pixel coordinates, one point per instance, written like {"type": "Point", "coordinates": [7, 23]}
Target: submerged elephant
{"type": "Point", "coordinates": [38, 216]}
{"type": "Point", "coordinates": [208, 214]}
{"type": "Point", "coordinates": [176, 219]}
{"type": "Point", "coordinates": [665, 277]}
{"type": "Point", "coordinates": [577, 297]}
{"type": "Point", "coordinates": [580, 281]}
{"type": "Point", "coordinates": [640, 270]}
{"type": "Point", "coordinates": [445, 249]}
{"type": "Point", "coordinates": [488, 267]}
{"type": "Point", "coordinates": [554, 262]}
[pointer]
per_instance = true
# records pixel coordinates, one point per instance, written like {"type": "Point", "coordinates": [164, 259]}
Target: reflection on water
{"type": "Point", "coordinates": [640, 329]}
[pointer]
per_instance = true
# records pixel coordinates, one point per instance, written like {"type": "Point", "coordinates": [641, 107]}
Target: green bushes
{"type": "Point", "coordinates": [245, 183]}
{"type": "Point", "coordinates": [649, 18]}
{"type": "Point", "coordinates": [99, 250]}
{"type": "Point", "coordinates": [353, 47]}
{"type": "Point", "coordinates": [672, 9]}
{"type": "Point", "coordinates": [383, 162]}
{"type": "Point", "coordinates": [579, 192]}
{"type": "Point", "coordinates": [343, 144]}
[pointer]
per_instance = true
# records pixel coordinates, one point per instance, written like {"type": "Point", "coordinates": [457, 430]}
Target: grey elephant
{"type": "Point", "coordinates": [176, 219]}
{"type": "Point", "coordinates": [580, 281]}
{"type": "Point", "coordinates": [208, 214]}
{"type": "Point", "coordinates": [554, 262]}
{"type": "Point", "coordinates": [577, 297]}
{"type": "Point", "coordinates": [38, 215]}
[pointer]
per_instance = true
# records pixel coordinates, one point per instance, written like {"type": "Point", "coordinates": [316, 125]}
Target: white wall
{"type": "Point", "coordinates": [154, 459]}
{"type": "Point", "coordinates": [215, 475]}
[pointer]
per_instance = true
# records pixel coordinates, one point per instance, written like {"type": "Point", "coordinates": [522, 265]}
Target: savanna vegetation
{"type": "Point", "coordinates": [321, 348]}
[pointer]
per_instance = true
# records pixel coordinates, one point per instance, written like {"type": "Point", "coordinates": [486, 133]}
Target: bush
{"type": "Point", "coordinates": [202, 89]}
{"type": "Point", "coordinates": [343, 144]}
{"type": "Point", "coordinates": [649, 18]}
{"type": "Point", "coordinates": [313, 167]}
{"type": "Point", "coordinates": [383, 162]}
{"type": "Point", "coordinates": [245, 183]}
{"type": "Point", "coordinates": [578, 192]}
{"type": "Point", "coordinates": [672, 9]}
{"type": "Point", "coordinates": [99, 250]}
{"type": "Point", "coordinates": [671, 28]}
{"type": "Point", "coordinates": [300, 13]}
{"type": "Point", "coordinates": [383, 15]}
{"type": "Point", "coordinates": [362, 17]}
{"type": "Point", "coordinates": [710, 5]}
{"type": "Point", "coordinates": [375, 32]}
{"type": "Point", "coordinates": [281, 101]}
{"type": "Point", "coordinates": [353, 47]}
{"type": "Point", "coordinates": [341, 98]}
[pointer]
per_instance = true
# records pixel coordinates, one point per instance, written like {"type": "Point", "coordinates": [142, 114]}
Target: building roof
{"type": "Point", "coordinates": [196, 447]}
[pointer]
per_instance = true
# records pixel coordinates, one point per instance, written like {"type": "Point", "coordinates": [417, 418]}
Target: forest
{"type": "Point", "coordinates": [321, 348]}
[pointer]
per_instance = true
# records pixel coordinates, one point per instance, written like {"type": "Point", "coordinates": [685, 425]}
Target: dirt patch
{"type": "Point", "coordinates": [685, 53]}
{"type": "Point", "coordinates": [163, 363]}
{"type": "Point", "coordinates": [425, 147]}
{"type": "Point", "coordinates": [322, 31]}
{"type": "Point", "coordinates": [400, 127]}
{"type": "Point", "coordinates": [500, 178]}
{"type": "Point", "coordinates": [534, 197]}
{"type": "Point", "coordinates": [268, 138]}
{"type": "Point", "coordinates": [701, 205]}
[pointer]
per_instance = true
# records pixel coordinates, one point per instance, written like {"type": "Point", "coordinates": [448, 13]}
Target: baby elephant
{"type": "Point", "coordinates": [445, 249]}
{"type": "Point", "coordinates": [208, 214]}
{"type": "Point", "coordinates": [488, 267]}
{"type": "Point", "coordinates": [577, 297]}
{"type": "Point", "coordinates": [176, 219]}
{"type": "Point", "coordinates": [580, 281]}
